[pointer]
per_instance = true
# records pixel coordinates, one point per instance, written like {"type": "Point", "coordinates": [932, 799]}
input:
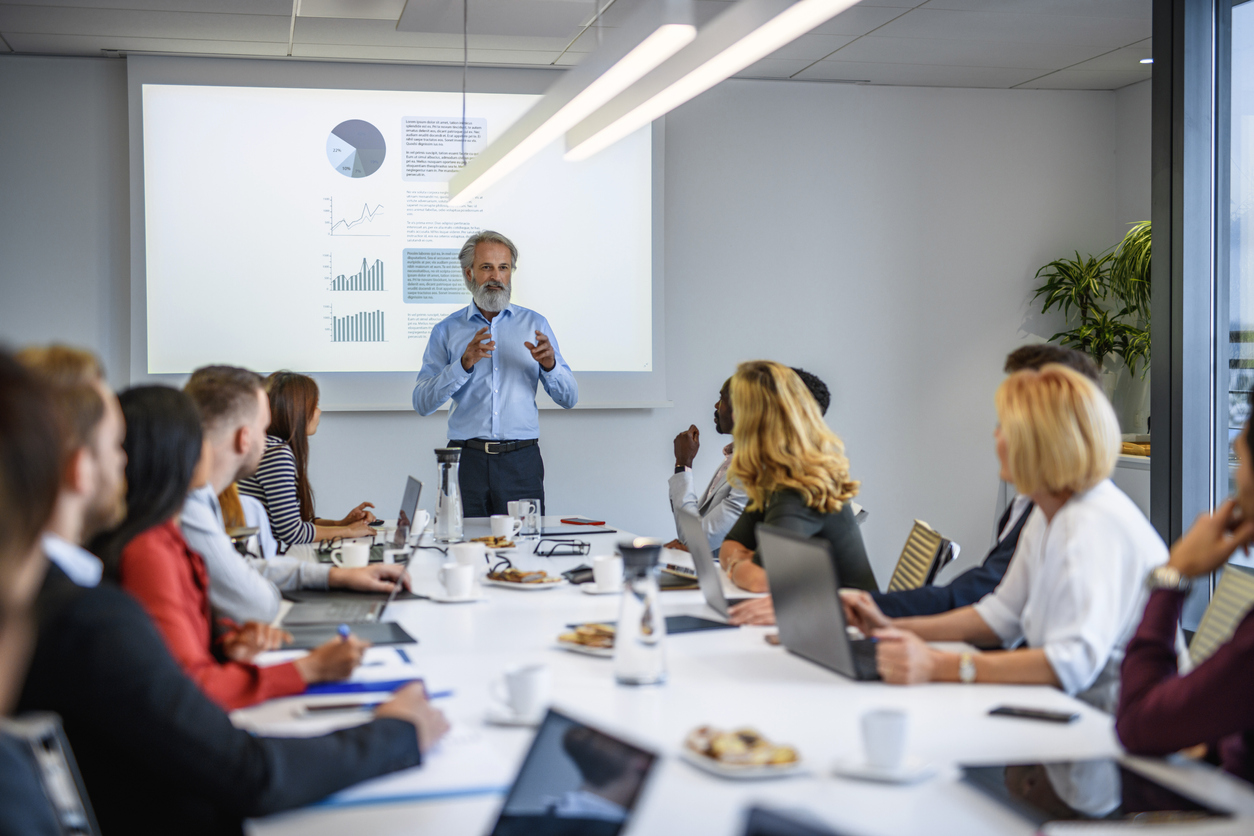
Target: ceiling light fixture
{"type": "Point", "coordinates": [655, 32]}
{"type": "Point", "coordinates": [1147, 60]}
{"type": "Point", "coordinates": [740, 37]}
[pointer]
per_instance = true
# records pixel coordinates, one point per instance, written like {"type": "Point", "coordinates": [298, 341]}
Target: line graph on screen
{"type": "Point", "coordinates": [361, 226]}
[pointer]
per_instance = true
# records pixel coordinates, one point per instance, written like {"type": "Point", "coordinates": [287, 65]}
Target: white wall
{"type": "Point", "coordinates": [884, 238]}
{"type": "Point", "coordinates": [1132, 157]}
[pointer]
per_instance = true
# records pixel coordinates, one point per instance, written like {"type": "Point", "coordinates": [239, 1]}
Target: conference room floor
{"type": "Point", "coordinates": [727, 678]}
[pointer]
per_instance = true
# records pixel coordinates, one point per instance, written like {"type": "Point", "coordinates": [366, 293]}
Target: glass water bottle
{"type": "Point", "coordinates": [448, 502]}
{"type": "Point", "coordinates": [639, 643]}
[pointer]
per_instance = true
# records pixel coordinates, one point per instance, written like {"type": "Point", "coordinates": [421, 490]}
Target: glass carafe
{"type": "Point", "coordinates": [448, 501]}
{"type": "Point", "coordinates": [639, 643]}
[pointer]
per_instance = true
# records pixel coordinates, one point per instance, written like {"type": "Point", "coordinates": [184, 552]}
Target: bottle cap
{"type": "Point", "coordinates": [448, 454]}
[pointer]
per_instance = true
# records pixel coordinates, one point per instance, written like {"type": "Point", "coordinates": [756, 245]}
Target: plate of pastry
{"type": "Point", "coordinates": [519, 579]}
{"type": "Point", "coordinates": [741, 754]}
{"type": "Point", "coordinates": [590, 640]}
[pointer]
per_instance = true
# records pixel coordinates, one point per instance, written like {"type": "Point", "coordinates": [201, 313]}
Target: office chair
{"type": "Point", "coordinates": [1233, 598]}
{"type": "Point", "coordinates": [926, 552]}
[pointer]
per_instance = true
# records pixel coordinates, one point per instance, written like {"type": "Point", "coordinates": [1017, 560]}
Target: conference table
{"type": "Point", "coordinates": [729, 678]}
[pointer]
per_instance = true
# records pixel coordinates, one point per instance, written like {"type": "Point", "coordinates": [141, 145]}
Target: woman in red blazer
{"type": "Point", "coordinates": [148, 556]}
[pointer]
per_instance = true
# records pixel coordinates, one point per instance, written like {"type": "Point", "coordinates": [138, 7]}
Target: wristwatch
{"type": "Point", "coordinates": [1168, 577]}
{"type": "Point", "coordinates": [966, 668]}
{"type": "Point", "coordinates": [679, 468]}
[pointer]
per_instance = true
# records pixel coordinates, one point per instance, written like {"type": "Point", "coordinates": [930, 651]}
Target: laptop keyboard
{"type": "Point", "coordinates": [333, 611]}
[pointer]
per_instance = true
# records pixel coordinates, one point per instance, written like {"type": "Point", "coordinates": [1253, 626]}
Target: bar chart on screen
{"type": "Point", "coordinates": [364, 327]}
{"type": "Point", "coordinates": [369, 277]}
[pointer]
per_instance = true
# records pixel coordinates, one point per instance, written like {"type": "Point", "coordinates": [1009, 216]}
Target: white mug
{"type": "Point", "coordinates": [469, 554]}
{"type": "Point", "coordinates": [505, 526]}
{"type": "Point", "coordinates": [351, 555]}
{"type": "Point", "coordinates": [884, 737]}
{"type": "Point", "coordinates": [529, 513]}
{"type": "Point", "coordinates": [607, 572]}
{"type": "Point", "coordinates": [458, 579]}
{"type": "Point", "coordinates": [524, 690]}
{"type": "Point", "coordinates": [422, 519]}
{"type": "Point", "coordinates": [515, 508]}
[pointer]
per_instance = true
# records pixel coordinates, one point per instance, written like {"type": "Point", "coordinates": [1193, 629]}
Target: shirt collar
{"type": "Point", "coordinates": [80, 565]}
{"type": "Point", "coordinates": [205, 495]}
{"type": "Point", "coordinates": [472, 311]}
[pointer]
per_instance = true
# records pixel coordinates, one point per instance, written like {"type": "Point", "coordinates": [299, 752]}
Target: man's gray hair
{"type": "Point", "coordinates": [467, 255]}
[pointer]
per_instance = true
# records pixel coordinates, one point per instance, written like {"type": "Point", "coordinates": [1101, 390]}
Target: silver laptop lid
{"type": "Point", "coordinates": [703, 559]}
{"type": "Point", "coordinates": [409, 509]}
{"type": "Point", "coordinates": [806, 591]}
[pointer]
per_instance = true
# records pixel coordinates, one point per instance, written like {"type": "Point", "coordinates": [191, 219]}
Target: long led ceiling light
{"type": "Point", "coordinates": [653, 33]}
{"type": "Point", "coordinates": [738, 38]}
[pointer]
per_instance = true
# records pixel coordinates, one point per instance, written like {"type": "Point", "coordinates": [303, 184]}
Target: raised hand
{"type": "Point", "coordinates": [687, 443]}
{"type": "Point", "coordinates": [481, 345]}
{"type": "Point", "coordinates": [542, 352]}
{"type": "Point", "coordinates": [1211, 541]}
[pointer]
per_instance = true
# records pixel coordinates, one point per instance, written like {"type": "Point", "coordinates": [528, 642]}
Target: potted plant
{"type": "Point", "coordinates": [1106, 301]}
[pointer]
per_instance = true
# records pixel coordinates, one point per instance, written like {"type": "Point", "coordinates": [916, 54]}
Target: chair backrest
{"type": "Point", "coordinates": [1233, 598]}
{"type": "Point", "coordinates": [925, 552]}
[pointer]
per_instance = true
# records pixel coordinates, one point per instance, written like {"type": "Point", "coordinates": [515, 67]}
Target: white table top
{"type": "Point", "coordinates": [727, 678]}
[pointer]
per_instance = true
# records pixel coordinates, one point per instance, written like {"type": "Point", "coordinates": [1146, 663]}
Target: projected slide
{"type": "Point", "coordinates": [328, 245]}
{"type": "Point", "coordinates": [356, 148]}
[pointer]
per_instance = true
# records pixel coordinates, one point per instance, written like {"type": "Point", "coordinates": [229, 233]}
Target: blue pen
{"type": "Point", "coordinates": [404, 656]}
{"type": "Point", "coordinates": [344, 632]}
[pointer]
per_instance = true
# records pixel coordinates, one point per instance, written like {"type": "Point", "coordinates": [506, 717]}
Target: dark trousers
{"type": "Point", "coordinates": [489, 482]}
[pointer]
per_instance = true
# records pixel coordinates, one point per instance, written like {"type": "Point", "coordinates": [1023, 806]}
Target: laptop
{"type": "Point", "coordinates": [709, 577]}
{"type": "Point", "coordinates": [574, 780]}
{"type": "Point", "coordinates": [340, 610]}
{"type": "Point", "coordinates": [404, 520]}
{"type": "Point", "coordinates": [808, 611]}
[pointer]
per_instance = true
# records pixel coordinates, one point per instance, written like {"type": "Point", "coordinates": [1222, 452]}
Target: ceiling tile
{"type": "Point", "coordinates": [1088, 79]}
{"type": "Point", "coordinates": [811, 47]}
{"type": "Point", "coordinates": [534, 18]}
{"type": "Point", "coordinates": [917, 75]}
{"type": "Point", "coordinates": [93, 44]}
{"type": "Point", "coordinates": [964, 53]}
{"type": "Point", "coordinates": [615, 15]}
{"type": "Point", "coordinates": [1105, 32]}
{"type": "Point", "coordinates": [1077, 8]}
{"type": "Point", "coordinates": [383, 33]}
{"type": "Point", "coordinates": [353, 9]}
{"type": "Point", "coordinates": [243, 7]}
{"type": "Point", "coordinates": [1127, 59]}
{"type": "Point", "coordinates": [427, 55]}
{"type": "Point", "coordinates": [774, 68]}
{"type": "Point", "coordinates": [858, 20]}
{"type": "Point", "coordinates": [129, 23]}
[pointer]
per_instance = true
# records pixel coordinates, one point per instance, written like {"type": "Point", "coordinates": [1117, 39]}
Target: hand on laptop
{"type": "Point", "coordinates": [754, 611]}
{"type": "Point", "coordinates": [332, 661]}
{"type": "Point", "coordinates": [410, 704]}
{"type": "Point", "coordinates": [254, 637]}
{"type": "Point", "coordinates": [359, 514]}
{"type": "Point", "coordinates": [379, 577]}
{"type": "Point", "coordinates": [862, 612]}
{"type": "Point", "coordinates": [903, 658]}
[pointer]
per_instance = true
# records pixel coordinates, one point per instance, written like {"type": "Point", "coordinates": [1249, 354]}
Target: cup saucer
{"type": "Point", "coordinates": [593, 589]}
{"type": "Point", "coordinates": [475, 595]}
{"type": "Point", "coordinates": [503, 715]}
{"type": "Point", "coordinates": [909, 771]}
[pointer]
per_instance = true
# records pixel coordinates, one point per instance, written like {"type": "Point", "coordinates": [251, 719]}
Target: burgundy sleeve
{"type": "Point", "coordinates": [1162, 712]}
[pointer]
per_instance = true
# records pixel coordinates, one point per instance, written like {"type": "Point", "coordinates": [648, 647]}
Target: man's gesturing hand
{"type": "Point", "coordinates": [481, 345]}
{"type": "Point", "coordinates": [687, 443]}
{"type": "Point", "coordinates": [542, 352]}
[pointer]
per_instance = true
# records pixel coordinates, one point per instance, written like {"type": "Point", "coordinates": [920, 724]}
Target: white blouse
{"type": "Point", "coordinates": [1076, 588]}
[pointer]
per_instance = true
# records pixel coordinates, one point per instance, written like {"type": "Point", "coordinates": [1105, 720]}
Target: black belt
{"type": "Point", "coordinates": [493, 448]}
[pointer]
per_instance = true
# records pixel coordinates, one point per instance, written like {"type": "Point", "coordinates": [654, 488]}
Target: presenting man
{"type": "Point", "coordinates": [488, 357]}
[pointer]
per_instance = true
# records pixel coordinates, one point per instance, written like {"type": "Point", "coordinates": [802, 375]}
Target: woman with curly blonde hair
{"type": "Point", "coordinates": [795, 472]}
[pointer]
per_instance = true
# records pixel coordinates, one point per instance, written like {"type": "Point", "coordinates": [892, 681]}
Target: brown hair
{"type": "Point", "coordinates": [31, 456]}
{"type": "Point", "coordinates": [1035, 356]}
{"type": "Point", "coordinates": [72, 376]}
{"type": "Point", "coordinates": [223, 393]}
{"type": "Point", "coordinates": [293, 399]}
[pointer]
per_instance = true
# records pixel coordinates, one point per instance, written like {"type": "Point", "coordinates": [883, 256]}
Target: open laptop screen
{"type": "Point", "coordinates": [409, 509]}
{"type": "Point", "coordinates": [574, 780]}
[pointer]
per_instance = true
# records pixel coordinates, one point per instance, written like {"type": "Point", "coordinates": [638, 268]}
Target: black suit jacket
{"type": "Point", "coordinates": [966, 589]}
{"type": "Point", "coordinates": [156, 755]}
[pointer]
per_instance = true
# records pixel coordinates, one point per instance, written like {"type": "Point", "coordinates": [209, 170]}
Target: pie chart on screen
{"type": "Point", "coordinates": [356, 148]}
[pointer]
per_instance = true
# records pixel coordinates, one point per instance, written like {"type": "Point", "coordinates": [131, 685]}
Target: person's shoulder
{"type": "Point", "coordinates": [527, 313]}
{"type": "Point", "coordinates": [150, 548]}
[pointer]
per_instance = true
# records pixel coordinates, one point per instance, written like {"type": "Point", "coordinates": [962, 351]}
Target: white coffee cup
{"type": "Point", "coordinates": [884, 738]}
{"type": "Point", "coordinates": [469, 554]}
{"type": "Point", "coordinates": [524, 690]}
{"type": "Point", "coordinates": [607, 572]}
{"type": "Point", "coordinates": [505, 526]}
{"type": "Point", "coordinates": [351, 555]}
{"type": "Point", "coordinates": [422, 519]}
{"type": "Point", "coordinates": [514, 506]}
{"type": "Point", "coordinates": [458, 579]}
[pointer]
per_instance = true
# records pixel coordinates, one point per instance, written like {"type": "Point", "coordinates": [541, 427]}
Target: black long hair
{"type": "Point", "coordinates": [163, 444]}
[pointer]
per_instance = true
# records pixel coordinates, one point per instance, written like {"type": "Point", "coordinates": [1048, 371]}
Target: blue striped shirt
{"type": "Point", "coordinates": [274, 484]}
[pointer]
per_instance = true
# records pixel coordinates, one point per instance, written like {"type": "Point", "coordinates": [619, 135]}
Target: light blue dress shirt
{"type": "Point", "coordinates": [497, 398]}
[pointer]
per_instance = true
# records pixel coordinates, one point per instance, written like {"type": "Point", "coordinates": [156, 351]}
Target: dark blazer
{"type": "Point", "coordinates": [156, 755]}
{"type": "Point", "coordinates": [967, 588]}
{"type": "Point", "coordinates": [24, 808]}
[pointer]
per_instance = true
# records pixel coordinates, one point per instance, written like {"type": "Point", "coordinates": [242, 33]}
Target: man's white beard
{"type": "Point", "coordinates": [489, 299]}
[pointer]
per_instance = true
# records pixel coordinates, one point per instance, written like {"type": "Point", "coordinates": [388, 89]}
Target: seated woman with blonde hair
{"type": "Point", "coordinates": [796, 475]}
{"type": "Point", "coordinates": [1075, 588]}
